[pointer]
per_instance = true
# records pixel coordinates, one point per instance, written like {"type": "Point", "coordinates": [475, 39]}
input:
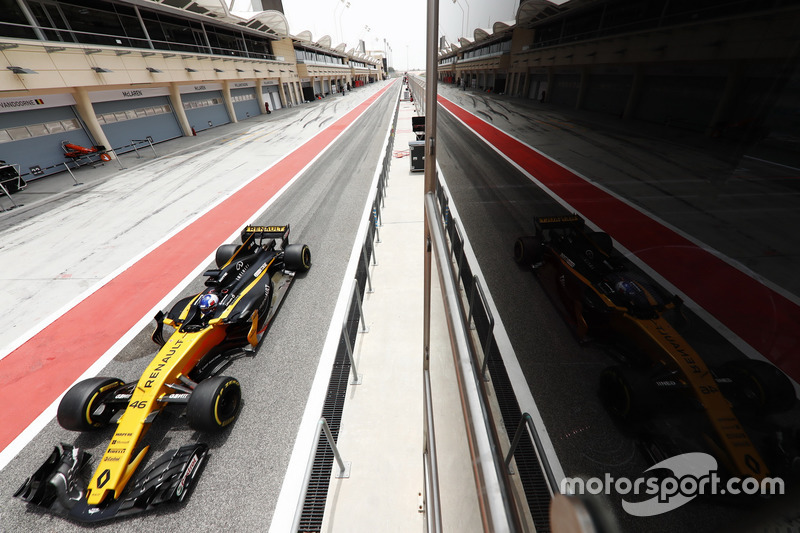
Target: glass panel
{"type": "Point", "coordinates": [96, 26]}
{"type": "Point", "coordinates": [38, 130]}
{"type": "Point", "coordinates": [54, 127]}
{"type": "Point", "coordinates": [19, 133]}
{"type": "Point", "coordinates": [71, 124]}
{"type": "Point", "coordinates": [13, 14]}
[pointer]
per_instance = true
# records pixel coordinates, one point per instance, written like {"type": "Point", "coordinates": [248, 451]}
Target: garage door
{"type": "Point", "coordinates": [204, 108]}
{"type": "Point", "coordinates": [608, 93]}
{"type": "Point", "coordinates": [565, 89]}
{"type": "Point", "coordinates": [127, 121]}
{"type": "Point", "coordinates": [680, 101]}
{"type": "Point", "coordinates": [245, 103]}
{"type": "Point", "coordinates": [31, 133]}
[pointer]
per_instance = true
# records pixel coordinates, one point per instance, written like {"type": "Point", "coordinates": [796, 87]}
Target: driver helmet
{"type": "Point", "coordinates": [627, 287]}
{"type": "Point", "coordinates": [208, 302]}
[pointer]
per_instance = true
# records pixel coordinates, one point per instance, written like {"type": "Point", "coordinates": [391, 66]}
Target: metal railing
{"type": "Point", "coordinates": [418, 91]}
{"type": "Point", "coordinates": [487, 343]}
{"type": "Point", "coordinates": [475, 312]}
{"type": "Point", "coordinates": [498, 507]}
{"type": "Point", "coordinates": [527, 422]}
{"type": "Point", "coordinates": [346, 330]}
{"type": "Point", "coordinates": [92, 159]}
{"type": "Point", "coordinates": [344, 467]}
{"type": "Point", "coordinates": [148, 140]}
{"type": "Point", "coordinates": [479, 315]}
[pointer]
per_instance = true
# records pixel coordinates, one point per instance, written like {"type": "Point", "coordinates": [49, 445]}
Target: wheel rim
{"type": "Point", "coordinates": [227, 404]}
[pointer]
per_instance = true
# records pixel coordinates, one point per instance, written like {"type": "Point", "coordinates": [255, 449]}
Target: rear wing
{"type": "Point", "coordinates": [559, 222]}
{"type": "Point", "coordinates": [267, 232]}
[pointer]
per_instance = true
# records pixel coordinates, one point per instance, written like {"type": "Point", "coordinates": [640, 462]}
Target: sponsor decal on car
{"type": "Point", "coordinates": [265, 229]}
{"type": "Point", "coordinates": [186, 475]}
{"type": "Point", "coordinates": [260, 270]}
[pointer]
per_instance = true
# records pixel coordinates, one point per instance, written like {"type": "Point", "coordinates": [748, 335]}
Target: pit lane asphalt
{"type": "Point", "coordinates": [497, 204]}
{"type": "Point", "coordinates": [239, 486]}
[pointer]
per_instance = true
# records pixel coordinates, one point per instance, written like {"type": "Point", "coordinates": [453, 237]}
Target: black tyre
{"type": "Point", "coordinates": [627, 393]}
{"type": "Point", "coordinates": [224, 254]}
{"type": "Point", "coordinates": [214, 404]}
{"type": "Point", "coordinates": [76, 411]}
{"type": "Point", "coordinates": [297, 257]}
{"type": "Point", "coordinates": [528, 250]}
{"type": "Point", "coordinates": [762, 384]}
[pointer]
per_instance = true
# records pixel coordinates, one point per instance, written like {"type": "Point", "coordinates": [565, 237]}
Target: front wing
{"type": "Point", "coordinates": [60, 486]}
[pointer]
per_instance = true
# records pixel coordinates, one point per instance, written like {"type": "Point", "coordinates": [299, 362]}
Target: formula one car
{"type": "Point", "coordinates": [210, 329]}
{"type": "Point", "coordinates": [605, 297]}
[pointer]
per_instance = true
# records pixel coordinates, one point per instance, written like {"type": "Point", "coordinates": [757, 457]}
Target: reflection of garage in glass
{"type": "Point", "coordinates": [32, 130]}
{"type": "Point", "coordinates": [271, 94]}
{"type": "Point", "coordinates": [127, 116]}
{"type": "Point", "coordinates": [245, 103]}
{"type": "Point", "coordinates": [204, 105]}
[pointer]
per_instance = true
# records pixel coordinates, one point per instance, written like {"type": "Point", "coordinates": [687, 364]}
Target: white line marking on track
{"type": "Point", "coordinates": [288, 500]}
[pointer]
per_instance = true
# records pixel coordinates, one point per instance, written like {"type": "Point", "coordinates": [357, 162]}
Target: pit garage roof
{"type": "Point", "coordinates": [272, 23]}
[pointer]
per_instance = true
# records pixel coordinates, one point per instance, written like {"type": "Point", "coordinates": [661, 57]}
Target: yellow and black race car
{"type": "Point", "coordinates": [210, 329]}
{"type": "Point", "coordinates": [601, 293]}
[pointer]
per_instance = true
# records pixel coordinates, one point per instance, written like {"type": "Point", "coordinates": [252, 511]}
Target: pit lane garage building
{"type": "Point", "coordinates": [121, 74]}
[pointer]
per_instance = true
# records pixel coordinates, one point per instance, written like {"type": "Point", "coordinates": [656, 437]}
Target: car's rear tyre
{"type": "Point", "coordinates": [528, 250]}
{"type": "Point", "coordinates": [297, 257]}
{"type": "Point", "coordinates": [76, 411]}
{"type": "Point", "coordinates": [762, 384]}
{"type": "Point", "coordinates": [224, 254]}
{"type": "Point", "coordinates": [214, 404]}
{"type": "Point", "coordinates": [627, 393]}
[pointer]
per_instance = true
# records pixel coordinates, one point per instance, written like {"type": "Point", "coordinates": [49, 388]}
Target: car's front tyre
{"type": "Point", "coordinates": [78, 410]}
{"type": "Point", "coordinates": [214, 404]}
{"type": "Point", "coordinates": [762, 384]}
{"type": "Point", "coordinates": [627, 393]}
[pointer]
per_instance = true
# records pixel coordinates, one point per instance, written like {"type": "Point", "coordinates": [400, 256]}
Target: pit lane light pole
{"type": "Point", "coordinates": [462, 17]}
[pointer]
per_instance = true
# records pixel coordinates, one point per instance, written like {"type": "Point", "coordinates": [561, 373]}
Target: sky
{"type": "Point", "coordinates": [401, 24]}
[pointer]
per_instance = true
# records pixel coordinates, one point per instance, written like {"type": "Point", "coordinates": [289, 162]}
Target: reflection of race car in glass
{"type": "Point", "coordinates": [211, 329]}
{"type": "Point", "coordinates": [604, 296]}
